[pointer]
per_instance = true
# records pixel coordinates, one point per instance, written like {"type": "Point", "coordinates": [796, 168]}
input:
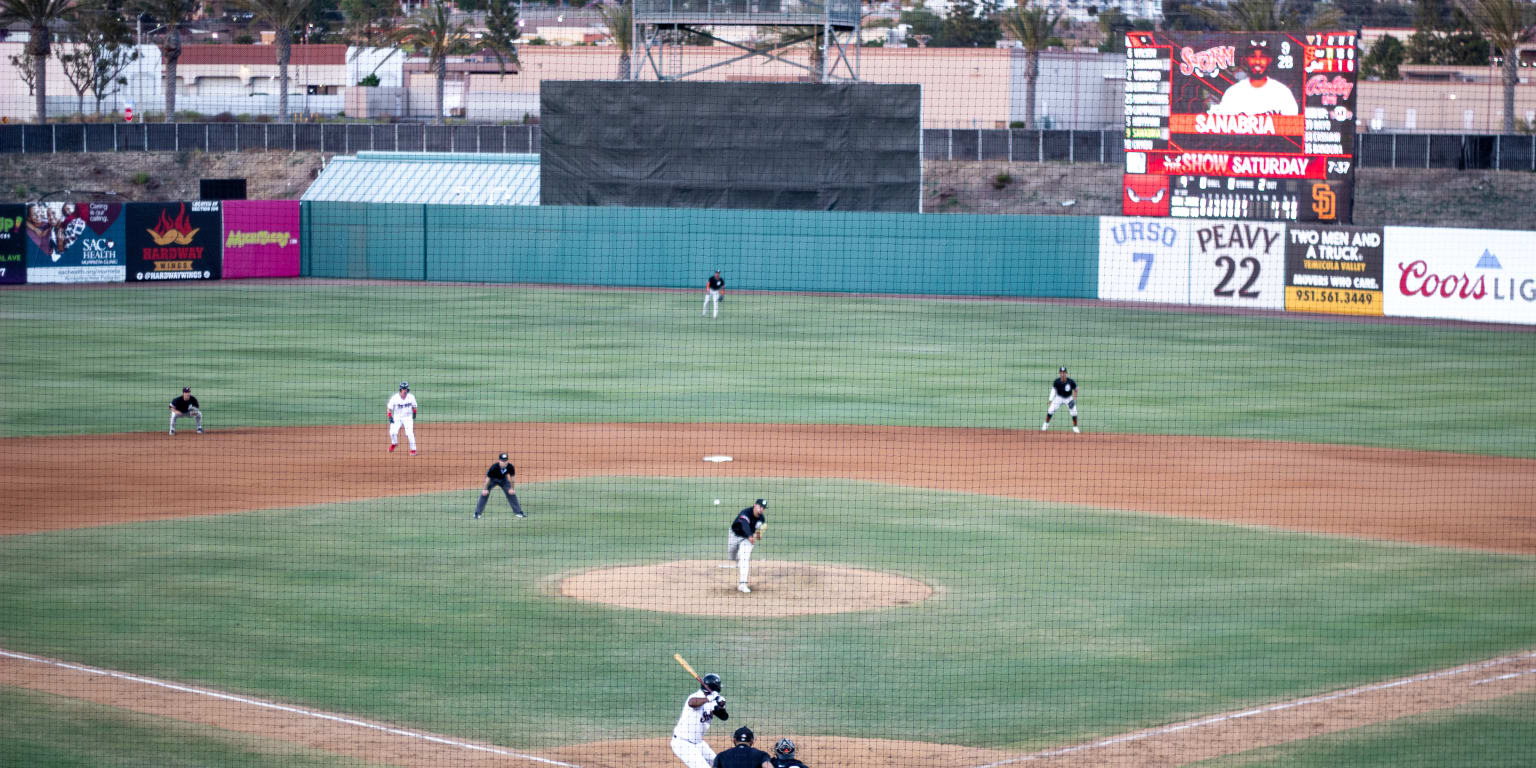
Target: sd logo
{"type": "Point", "coordinates": [1324, 202]}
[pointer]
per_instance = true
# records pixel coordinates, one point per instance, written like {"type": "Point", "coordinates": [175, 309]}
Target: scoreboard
{"type": "Point", "coordinates": [1240, 125]}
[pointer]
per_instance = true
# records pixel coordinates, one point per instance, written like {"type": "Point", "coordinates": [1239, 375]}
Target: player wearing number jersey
{"type": "Point", "coordinates": [1260, 94]}
{"type": "Point", "coordinates": [699, 709]}
{"type": "Point", "coordinates": [402, 415]}
{"type": "Point", "coordinates": [1063, 390]}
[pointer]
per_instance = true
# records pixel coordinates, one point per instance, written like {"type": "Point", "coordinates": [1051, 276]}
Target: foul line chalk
{"type": "Point", "coordinates": [1139, 736]}
{"type": "Point", "coordinates": [717, 459]}
{"type": "Point", "coordinates": [284, 708]}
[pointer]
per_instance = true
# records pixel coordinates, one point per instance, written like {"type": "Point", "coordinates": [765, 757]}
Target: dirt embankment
{"type": "Point", "coordinates": [116, 177]}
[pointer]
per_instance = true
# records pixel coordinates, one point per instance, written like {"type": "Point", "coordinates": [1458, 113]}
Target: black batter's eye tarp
{"type": "Point", "coordinates": [784, 146]}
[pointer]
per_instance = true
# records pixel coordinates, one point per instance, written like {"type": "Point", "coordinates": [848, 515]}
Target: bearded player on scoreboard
{"type": "Point", "coordinates": [1260, 94]}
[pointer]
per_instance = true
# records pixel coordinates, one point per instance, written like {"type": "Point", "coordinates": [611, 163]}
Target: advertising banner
{"type": "Point", "coordinates": [1237, 264]}
{"type": "Point", "coordinates": [174, 241]}
{"type": "Point", "coordinates": [1336, 270]}
{"type": "Point", "coordinates": [13, 244]}
{"type": "Point", "coordinates": [1144, 259]}
{"type": "Point", "coordinates": [75, 243]}
{"type": "Point", "coordinates": [261, 238]}
{"type": "Point", "coordinates": [1461, 274]}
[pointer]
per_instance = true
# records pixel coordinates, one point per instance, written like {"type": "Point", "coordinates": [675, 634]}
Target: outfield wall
{"type": "Point", "coordinates": [1034, 256]}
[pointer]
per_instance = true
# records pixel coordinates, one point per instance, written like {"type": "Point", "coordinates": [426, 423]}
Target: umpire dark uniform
{"type": "Point", "coordinates": [499, 476]}
{"type": "Point", "coordinates": [743, 754]}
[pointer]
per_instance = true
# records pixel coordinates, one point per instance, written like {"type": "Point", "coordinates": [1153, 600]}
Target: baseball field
{"type": "Point", "coordinates": [1279, 540]}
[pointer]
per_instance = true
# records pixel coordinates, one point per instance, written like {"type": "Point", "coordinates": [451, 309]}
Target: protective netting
{"type": "Point", "coordinates": [953, 407]}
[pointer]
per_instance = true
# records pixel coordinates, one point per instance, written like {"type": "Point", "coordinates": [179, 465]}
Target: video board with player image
{"type": "Point", "coordinates": [1252, 125]}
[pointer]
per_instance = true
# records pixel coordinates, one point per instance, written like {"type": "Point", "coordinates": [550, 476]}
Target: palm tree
{"type": "Point", "coordinates": [1506, 24]}
{"type": "Point", "coordinates": [173, 15]}
{"type": "Point", "coordinates": [282, 15]}
{"type": "Point", "coordinates": [1033, 27]}
{"type": "Point", "coordinates": [37, 15]}
{"type": "Point", "coordinates": [434, 34]}
{"type": "Point", "coordinates": [1268, 16]}
{"type": "Point", "coordinates": [620, 21]}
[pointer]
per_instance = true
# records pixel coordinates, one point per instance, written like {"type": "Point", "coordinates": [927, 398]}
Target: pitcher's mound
{"type": "Point", "coordinates": [703, 588]}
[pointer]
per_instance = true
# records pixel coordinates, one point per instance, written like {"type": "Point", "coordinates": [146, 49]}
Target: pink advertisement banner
{"type": "Point", "coordinates": [261, 238]}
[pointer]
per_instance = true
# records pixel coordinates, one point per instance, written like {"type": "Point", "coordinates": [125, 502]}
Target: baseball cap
{"type": "Point", "coordinates": [502, 457]}
{"type": "Point", "coordinates": [1063, 369]}
{"type": "Point", "coordinates": [742, 734]}
{"type": "Point", "coordinates": [186, 389]}
{"type": "Point", "coordinates": [761, 503]}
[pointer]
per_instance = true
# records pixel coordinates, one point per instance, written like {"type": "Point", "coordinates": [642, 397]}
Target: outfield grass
{"type": "Point", "coordinates": [1489, 734]}
{"type": "Point", "coordinates": [38, 730]}
{"type": "Point", "coordinates": [90, 360]}
{"type": "Point", "coordinates": [1051, 624]}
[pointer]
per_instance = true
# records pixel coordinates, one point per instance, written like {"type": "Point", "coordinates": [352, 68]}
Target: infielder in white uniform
{"type": "Point", "coordinates": [701, 707]}
{"type": "Point", "coordinates": [402, 415]}
{"type": "Point", "coordinates": [746, 531]}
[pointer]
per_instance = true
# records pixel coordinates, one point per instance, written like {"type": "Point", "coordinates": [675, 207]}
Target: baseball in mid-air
{"type": "Point", "coordinates": [717, 502]}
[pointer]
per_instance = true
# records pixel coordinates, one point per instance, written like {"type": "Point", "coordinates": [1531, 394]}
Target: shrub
{"type": "Point", "coordinates": [1001, 180]}
{"type": "Point", "coordinates": [371, 81]}
{"type": "Point", "coordinates": [223, 117]}
{"type": "Point", "coordinates": [140, 178]}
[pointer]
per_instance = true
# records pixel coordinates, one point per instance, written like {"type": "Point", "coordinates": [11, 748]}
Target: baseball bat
{"type": "Point", "coordinates": [681, 661]}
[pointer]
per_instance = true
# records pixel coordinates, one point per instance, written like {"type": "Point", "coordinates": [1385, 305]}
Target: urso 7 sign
{"type": "Point", "coordinates": [174, 241]}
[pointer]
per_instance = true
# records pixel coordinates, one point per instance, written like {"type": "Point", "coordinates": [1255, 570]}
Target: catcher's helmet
{"type": "Point", "coordinates": [711, 682]}
{"type": "Point", "coordinates": [785, 748]}
{"type": "Point", "coordinates": [406, 385]}
{"type": "Point", "coordinates": [743, 735]}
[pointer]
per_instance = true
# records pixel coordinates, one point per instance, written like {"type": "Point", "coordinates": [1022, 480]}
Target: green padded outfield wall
{"type": "Point", "coordinates": [1033, 256]}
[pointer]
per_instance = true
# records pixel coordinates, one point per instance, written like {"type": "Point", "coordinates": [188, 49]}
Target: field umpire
{"type": "Point", "coordinates": [500, 476]}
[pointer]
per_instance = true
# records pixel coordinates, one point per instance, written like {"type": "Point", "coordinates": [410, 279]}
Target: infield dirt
{"type": "Point", "coordinates": [1454, 500]}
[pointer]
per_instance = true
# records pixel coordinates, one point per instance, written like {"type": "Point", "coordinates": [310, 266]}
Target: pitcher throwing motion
{"type": "Point", "coordinates": [402, 415]}
{"type": "Point", "coordinates": [746, 532]}
{"type": "Point", "coordinates": [701, 707]}
{"type": "Point", "coordinates": [1063, 390]}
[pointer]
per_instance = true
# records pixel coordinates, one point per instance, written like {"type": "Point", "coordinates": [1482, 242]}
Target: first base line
{"type": "Point", "coordinates": [283, 708]}
{"type": "Point", "coordinates": [1284, 705]}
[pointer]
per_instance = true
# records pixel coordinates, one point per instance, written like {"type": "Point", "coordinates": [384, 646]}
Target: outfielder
{"type": "Point", "coordinates": [713, 288]}
{"type": "Point", "coordinates": [1063, 390]}
{"type": "Point", "coordinates": [500, 476]}
{"type": "Point", "coordinates": [746, 531]}
{"type": "Point", "coordinates": [701, 707]}
{"type": "Point", "coordinates": [186, 405]}
{"type": "Point", "coordinates": [402, 415]}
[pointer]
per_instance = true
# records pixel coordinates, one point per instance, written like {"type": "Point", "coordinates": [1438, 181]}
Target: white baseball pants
{"type": "Point", "coordinates": [740, 550]}
{"type": "Point", "coordinates": [1057, 401]}
{"type": "Point", "coordinates": [694, 754]}
{"type": "Point", "coordinates": [708, 296]}
{"type": "Point", "coordinates": [409, 425]}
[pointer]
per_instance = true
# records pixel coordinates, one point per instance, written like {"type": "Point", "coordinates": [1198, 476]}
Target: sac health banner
{"type": "Point", "coordinates": [1336, 270]}
{"type": "Point", "coordinates": [174, 241]}
{"type": "Point", "coordinates": [1461, 274]}
{"type": "Point", "coordinates": [261, 238]}
{"type": "Point", "coordinates": [75, 243]}
{"type": "Point", "coordinates": [1144, 259]}
{"type": "Point", "coordinates": [1237, 264]}
{"type": "Point", "coordinates": [13, 244]}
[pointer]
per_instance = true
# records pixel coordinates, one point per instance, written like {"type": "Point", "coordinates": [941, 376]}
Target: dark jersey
{"type": "Point", "coordinates": [788, 762]}
{"type": "Point", "coordinates": [1065, 388]}
{"type": "Point", "coordinates": [747, 524]}
{"type": "Point", "coordinates": [741, 756]}
{"type": "Point", "coordinates": [716, 282]}
{"type": "Point", "coordinates": [499, 473]}
{"type": "Point", "coordinates": [181, 405]}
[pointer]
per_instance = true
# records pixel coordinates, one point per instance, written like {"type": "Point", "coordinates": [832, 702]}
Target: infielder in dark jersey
{"type": "Point", "coordinates": [186, 405]}
{"type": "Point", "coordinates": [499, 476]}
{"type": "Point", "coordinates": [712, 291]}
{"type": "Point", "coordinates": [1063, 390]}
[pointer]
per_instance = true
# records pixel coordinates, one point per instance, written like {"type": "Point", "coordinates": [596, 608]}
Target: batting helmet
{"type": "Point", "coordinates": [743, 735]}
{"type": "Point", "coordinates": [711, 682]}
{"type": "Point", "coordinates": [406, 385]}
{"type": "Point", "coordinates": [785, 748]}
